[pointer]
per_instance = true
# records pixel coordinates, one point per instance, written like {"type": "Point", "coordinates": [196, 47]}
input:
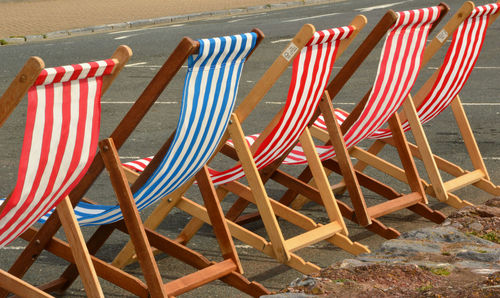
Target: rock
{"type": "Point", "coordinates": [476, 226]}
{"type": "Point", "coordinates": [287, 295]}
{"type": "Point", "coordinates": [494, 202]}
{"type": "Point", "coordinates": [485, 271]}
{"type": "Point", "coordinates": [404, 247]}
{"type": "Point", "coordinates": [488, 211]}
{"type": "Point", "coordinates": [350, 263]}
{"type": "Point", "coordinates": [305, 281]}
{"type": "Point", "coordinates": [486, 255]}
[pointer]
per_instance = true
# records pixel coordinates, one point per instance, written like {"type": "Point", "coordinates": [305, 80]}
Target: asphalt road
{"type": "Point", "coordinates": [152, 45]}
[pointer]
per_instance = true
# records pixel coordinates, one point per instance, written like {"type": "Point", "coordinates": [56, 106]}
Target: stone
{"type": "Point", "coordinates": [350, 263]}
{"type": "Point", "coordinates": [288, 295]}
{"type": "Point", "coordinates": [476, 226]}
{"type": "Point", "coordinates": [405, 247]}
{"type": "Point", "coordinates": [479, 254]}
{"type": "Point", "coordinates": [494, 202]}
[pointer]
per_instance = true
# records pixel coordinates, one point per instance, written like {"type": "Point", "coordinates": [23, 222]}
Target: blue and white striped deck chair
{"type": "Point", "coordinates": [209, 94]}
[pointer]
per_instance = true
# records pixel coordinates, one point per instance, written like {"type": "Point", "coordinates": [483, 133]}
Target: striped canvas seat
{"type": "Point", "coordinates": [457, 66]}
{"type": "Point", "coordinates": [310, 76]}
{"type": "Point", "coordinates": [60, 142]}
{"type": "Point", "coordinates": [311, 72]}
{"type": "Point", "coordinates": [468, 28]}
{"type": "Point", "coordinates": [397, 71]}
{"type": "Point", "coordinates": [210, 89]}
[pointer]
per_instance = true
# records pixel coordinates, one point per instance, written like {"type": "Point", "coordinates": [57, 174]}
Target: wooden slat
{"type": "Point", "coordinates": [313, 236]}
{"type": "Point", "coordinates": [200, 277]}
{"type": "Point", "coordinates": [394, 205]}
{"type": "Point", "coordinates": [464, 180]}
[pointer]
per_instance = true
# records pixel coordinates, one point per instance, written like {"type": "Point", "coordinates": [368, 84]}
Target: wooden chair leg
{"type": "Point", "coordinates": [262, 200]}
{"type": "Point", "coordinates": [425, 150]}
{"type": "Point", "coordinates": [132, 218]}
{"type": "Point", "coordinates": [348, 172]}
{"type": "Point", "coordinates": [405, 156]}
{"type": "Point", "coordinates": [79, 249]}
{"type": "Point", "coordinates": [216, 216]}
{"type": "Point", "coordinates": [95, 242]}
{"type": "Point", "coordinates": [323, 185]}
{"type": "Point", "coordinates": [468, 136]}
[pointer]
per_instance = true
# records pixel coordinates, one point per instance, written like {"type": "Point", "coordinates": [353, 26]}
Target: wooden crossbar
{"type": "Point", "coordinates": [313, 236]}
{"type": "Point", "coordinates": [200, 277]}
{"type": "Point", "coordinates": [394, 205]}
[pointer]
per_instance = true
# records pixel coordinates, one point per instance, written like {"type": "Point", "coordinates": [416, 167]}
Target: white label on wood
{"type": "Point", "coordinates": [442, 36]}
{"type": "Point", "coordinates": [290, 51]}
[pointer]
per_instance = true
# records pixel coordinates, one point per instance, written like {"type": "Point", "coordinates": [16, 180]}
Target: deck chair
{"type": "Point", "coordinates": [400, 60]}
{"type": "Point", "coordinates": [60, 141]}
{"type": "Point", "coordinates": [440, 91]}
{"type": "Point", "coordinates": [313, 55]}
{"type": "Point", "coordinates": [214, 68]}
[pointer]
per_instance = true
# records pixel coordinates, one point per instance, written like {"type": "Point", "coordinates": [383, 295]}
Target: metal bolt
{"type": "Point", "coordinates": [37, 241]}
{"type": "Point", "coordinates": [23, 78]}
{"type": "Point", "coordinates": [105, 147]}
{"type": "Point", "coordinates": [169, 200]}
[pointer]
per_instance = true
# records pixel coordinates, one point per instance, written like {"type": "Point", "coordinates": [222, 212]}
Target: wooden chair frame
{"type": "Point", "coordinates": [361, 214]}
{"type": "Point", "coordinates": [278, 248]}
{"type": "Point", "coordinates": [78, 252]}
{"type": "Point", "coordinates": [437, 187]}
{"type": "Point", "coordinates": [228, 270]}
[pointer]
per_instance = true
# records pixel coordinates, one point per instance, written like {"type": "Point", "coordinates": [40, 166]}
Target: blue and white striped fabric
{"type": "Point", "coordinates": [209, 94]}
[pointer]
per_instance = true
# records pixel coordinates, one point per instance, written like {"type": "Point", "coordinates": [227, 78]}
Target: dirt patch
{"type": "Point", "coordinates": [403, 280]}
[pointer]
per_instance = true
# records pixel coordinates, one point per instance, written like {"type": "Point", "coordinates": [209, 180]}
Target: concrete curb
{"type": "Point", "coordinates": [155, 21]}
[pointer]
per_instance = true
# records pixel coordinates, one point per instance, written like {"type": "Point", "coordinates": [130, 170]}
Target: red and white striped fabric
{"type": "Point", "coordinates": [457, 66]}
{"type": "Point", "coordinates": [311, 71]}
{"type": "Point", "coordinates": [397, 71]}
{"type": "Point", "coordinates": [60, 141]}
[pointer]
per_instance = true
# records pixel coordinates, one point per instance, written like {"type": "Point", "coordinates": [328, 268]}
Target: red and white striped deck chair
{"type": "Point", "coordinates": [209, 93]}
{"type": "Point", "coordinates": [313, 55]}
{"type": "Point", "coordinates": [399, 65]}
{"type": "Point", "coordinates": [440, 91]}
{"type": "Point", "coordinates": [60, 142]}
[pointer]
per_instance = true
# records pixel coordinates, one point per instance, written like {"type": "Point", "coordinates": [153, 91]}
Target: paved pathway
{"type": "Point", "coordinates": [38, 17]}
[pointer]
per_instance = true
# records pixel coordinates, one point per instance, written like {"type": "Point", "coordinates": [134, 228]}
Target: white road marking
{"type": "Point", "coordinates": [477, 67]}
{"type": "Point", "coordinates": [282, 103]}
{"type": "Point", "coordinates": [125, 36]}
{"type": "Point", "coordinates": [313, 17]}
{"type": "Point", "coordinates": [246, 18]}
{"type": "Point", "coordinates": [366, 9]}
{"type": "Point", "coordinates": [130, 157]}
{"type": "Point", "coordinates": [135, 64]}
{"type": "Point", "coordinates": [132, 102]}
{"type": "Point", "coordinates": [243, 246]}
{"type": "Point", "coordinates": [282, 40]}
{"type": "Point", "coordinates": [491, 158]}
{"type": "Point", "coordinates": [13, 247]}
{"type": "Point", "coordinates": [145, 29]}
